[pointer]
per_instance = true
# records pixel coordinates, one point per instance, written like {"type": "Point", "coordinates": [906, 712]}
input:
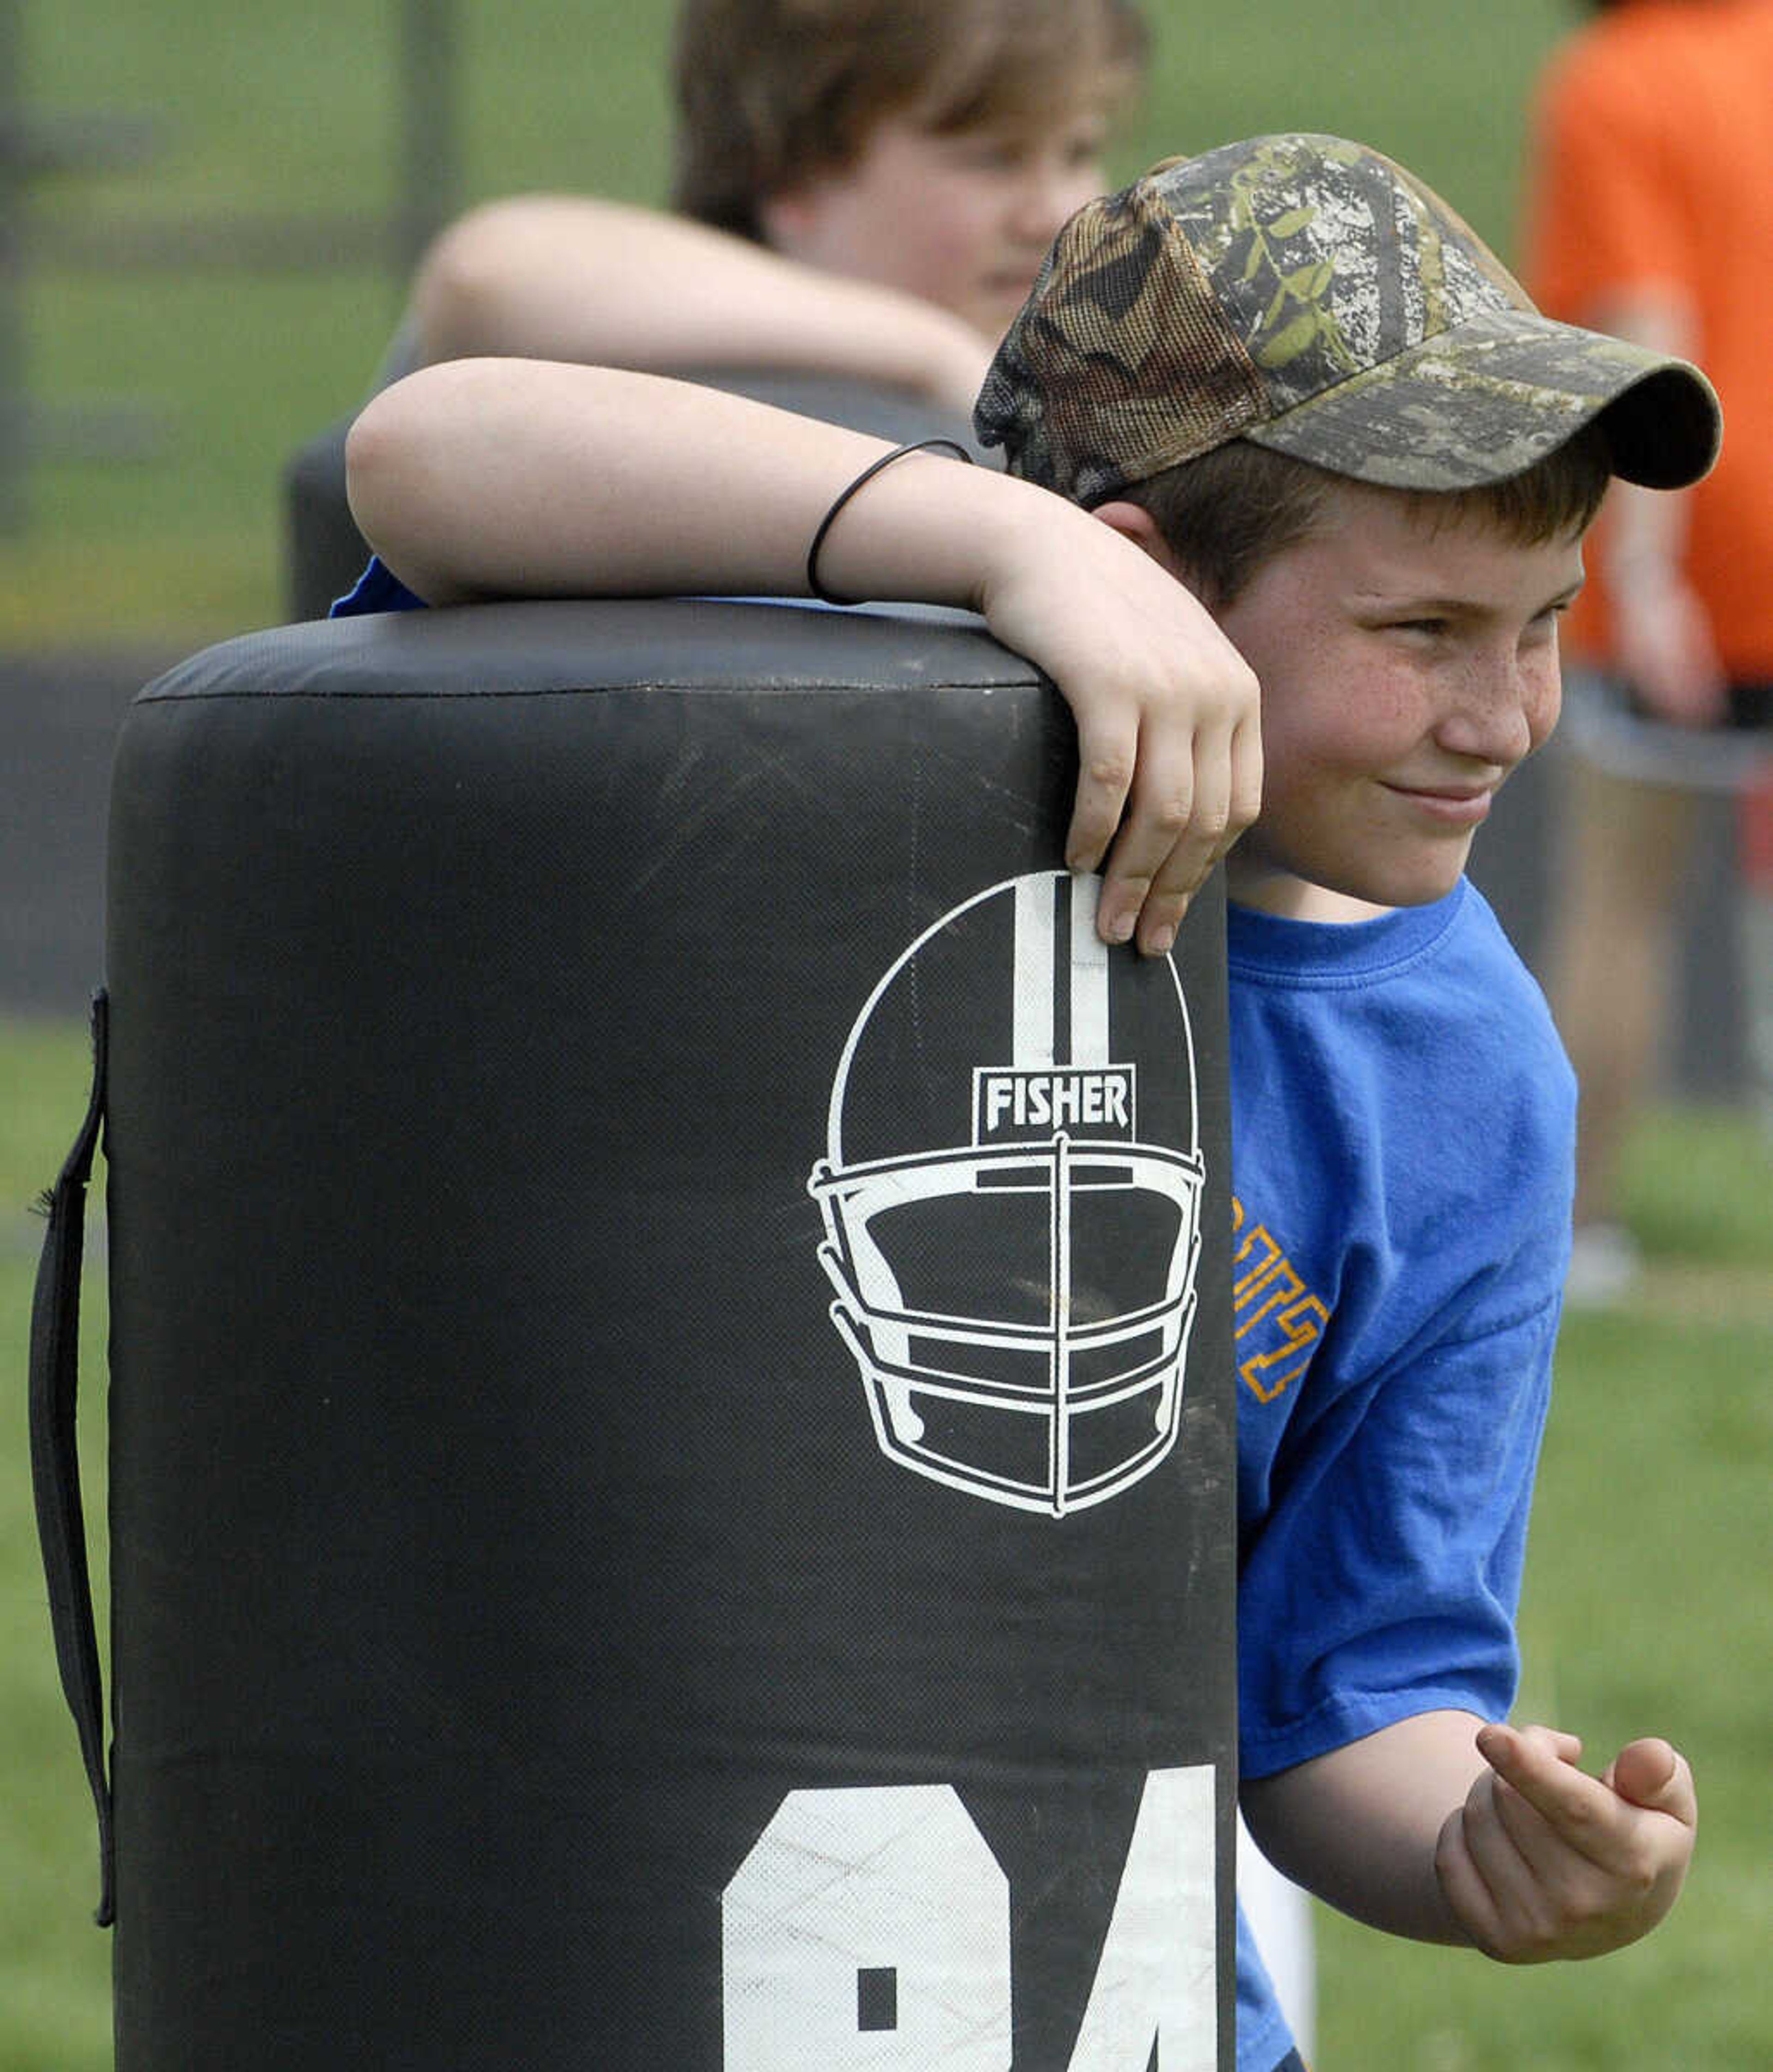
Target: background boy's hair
{"type": "Point", "coordinates": [770, 93]}
{"type": "Point", "coordinates": [1226, 515]}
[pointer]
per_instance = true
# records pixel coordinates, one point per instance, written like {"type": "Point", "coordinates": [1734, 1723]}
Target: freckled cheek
{"type": "Point", "coordinates": [1542, 704]}
{"type": "Point", "coordinates": [1375, 717]}
{"type": "Point", "coordinates": [1310, 783]}
{"type": "Point", "coordinates": [1378, 734]}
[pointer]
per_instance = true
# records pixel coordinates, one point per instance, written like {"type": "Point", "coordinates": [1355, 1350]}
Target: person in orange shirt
{"type": "Point", "coordinates": [1652, 177]}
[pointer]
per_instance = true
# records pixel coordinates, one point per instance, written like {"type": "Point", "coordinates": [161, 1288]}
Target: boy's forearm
{"type": "Point", "coordinates": [1449, 1831]}
{"type": "Point", "coordinates": [524, 478]}
{"type": "Point", "coordinates": [527, 478]}
{"type": "Point", "coordinates": [1359, 1826]}
{"type": "Point", "coordinates": [558, 276]}
{"type": "Point", "coordinates": [519, 478]}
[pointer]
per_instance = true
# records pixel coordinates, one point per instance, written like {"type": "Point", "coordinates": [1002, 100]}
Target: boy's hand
{"type": "Point", "coordinates": [1663, 644]}
{"type": "Point", "coordinates": [518, 478]}
{"type": "Point", "coordinates": [1545, 1861]}
{"type": "Point", "coordinates": [1168, 724]}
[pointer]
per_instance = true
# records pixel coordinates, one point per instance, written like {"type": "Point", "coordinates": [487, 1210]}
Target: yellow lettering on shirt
{"type": "Point", "coordinates": [1277, 1321]}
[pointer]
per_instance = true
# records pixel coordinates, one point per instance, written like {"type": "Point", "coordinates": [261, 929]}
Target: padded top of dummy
{"type": "Point", "coordinates": [539, 648]}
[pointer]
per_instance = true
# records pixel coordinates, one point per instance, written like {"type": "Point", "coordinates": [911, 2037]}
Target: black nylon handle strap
{"type": "Point", "coordinates": [54, 1455]}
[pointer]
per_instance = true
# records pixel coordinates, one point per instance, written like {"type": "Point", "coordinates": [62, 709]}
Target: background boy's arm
{"type": "Point", "coordinates": [1662, 636]}
{"type": "Point", "coordinates": [559, 277]}
{"type": "Point", "coordinates": [1537, 1859]}
{"type": "Point", "coordinates": [524, 477]}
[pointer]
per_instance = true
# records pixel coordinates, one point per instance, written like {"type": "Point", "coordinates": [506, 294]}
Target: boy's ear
{"type": "Point", "coordinates": [1134, 522]}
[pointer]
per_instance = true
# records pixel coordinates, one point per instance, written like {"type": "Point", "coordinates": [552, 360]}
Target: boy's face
{"type": "Point", "coordinates": [1406, 666]}
{"type": "Point", "coordinates": [962, 220]}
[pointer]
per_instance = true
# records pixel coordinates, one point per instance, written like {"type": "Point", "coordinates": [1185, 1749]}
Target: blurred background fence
{"type": "Point", "coordinates": [42, 148]}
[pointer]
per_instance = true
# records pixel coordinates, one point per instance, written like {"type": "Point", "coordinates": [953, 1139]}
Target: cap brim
{"type": "Point", "coordinates": [1489, 398]}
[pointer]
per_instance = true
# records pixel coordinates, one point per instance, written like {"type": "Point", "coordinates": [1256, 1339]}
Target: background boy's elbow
{"type": "Point", "coordinates": [461, 288]}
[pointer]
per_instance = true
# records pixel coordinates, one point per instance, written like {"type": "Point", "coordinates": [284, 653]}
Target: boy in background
{"type": "Point", "coordinates": [1274, 417]}
{"type": "Point", "coordinates": [865, 187]}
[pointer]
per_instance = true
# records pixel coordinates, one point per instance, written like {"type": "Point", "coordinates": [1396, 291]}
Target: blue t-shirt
{"type": "Point", "coordinates": [1403, 1126]}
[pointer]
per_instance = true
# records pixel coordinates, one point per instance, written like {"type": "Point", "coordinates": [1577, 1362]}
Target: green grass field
{"type": "Point", "coordinates": [1648, 1606]}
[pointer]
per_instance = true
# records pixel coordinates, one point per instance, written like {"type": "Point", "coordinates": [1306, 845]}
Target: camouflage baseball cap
{"type": "Point", "coordinates": [1308, 295]}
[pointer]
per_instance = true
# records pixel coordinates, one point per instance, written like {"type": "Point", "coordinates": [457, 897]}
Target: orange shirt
{"type": "Point", "coordinates": [1655, 168]}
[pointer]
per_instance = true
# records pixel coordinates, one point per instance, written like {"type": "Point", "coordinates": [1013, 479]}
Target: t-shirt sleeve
{"type": "Point", "coordinates": [1388, 1578]}
{"type": "Point", "coordinates": [377, 589]}
{"type": "Point", "coordinates": [1605, 214]}
{"type": "Point", "coordinates": [1407, 1154]}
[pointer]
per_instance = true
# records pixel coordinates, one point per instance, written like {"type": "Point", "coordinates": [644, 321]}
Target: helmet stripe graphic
{"type": "Point", "coordinates": [1088, 978]}
{"type": "Point", "coordinates": [1034, 1011]}
{"type": "Point", "coordinates": [1061, 1010]}
{"type": "Point", "coordinates": [1059, 1322]}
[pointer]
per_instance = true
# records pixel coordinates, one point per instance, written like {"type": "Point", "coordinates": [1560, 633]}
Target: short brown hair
{"type": "Point", "coordinates": [769, 92]}
{"type": "Point", "coordinates": [1227, 514]}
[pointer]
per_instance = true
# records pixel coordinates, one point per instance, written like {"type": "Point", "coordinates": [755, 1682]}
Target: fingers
{"type": "Point", "coordinates": [1537, 1811]}
{"type": "Point", "coordinates": [1168, 712]}
{"type": "Point", "coordinates": [1544, 1756]}
{"type": "Point", "coordinates": [1168, 843]}
{"type": "Point", "coordinates": [1156, 813]}
{"type": "Point", "coordinates": [1487, 1890]}
{"type": "Point", "coordinates": [1538, 1764]}
{"type": "Point", "coordinates": [1651, 1774]}
{"type": "Point", "coordinates": [1542, 1803]}
{"type": "Point", "coordinates": [1106, 759]}
{"type": "Point", "coordinates": [1668, 653]}
{"type": "Point", "coordinates": [1543, 1860]}
{"type": "Point", "coordinates": [1520, 1892]}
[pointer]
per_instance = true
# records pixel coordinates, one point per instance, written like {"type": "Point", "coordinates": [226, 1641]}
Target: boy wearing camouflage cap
{"type": "Point", "coordinates": [1272, 416]}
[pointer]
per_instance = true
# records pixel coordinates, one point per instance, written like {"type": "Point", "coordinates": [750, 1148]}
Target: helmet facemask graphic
{"type": "Point", "coordinates": [1012, 1202]}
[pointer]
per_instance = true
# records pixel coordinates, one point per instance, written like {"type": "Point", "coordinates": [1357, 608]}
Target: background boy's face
{"type": "Point", "coordinates": [963, 219]}
{"type": "Point", "coordinates": [1406, 666]}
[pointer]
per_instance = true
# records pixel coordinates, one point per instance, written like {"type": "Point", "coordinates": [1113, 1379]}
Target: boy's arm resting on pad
{"type": "Point", "coordinates": [562, 277]}
{"type": "Point", "coordinates": [511, 477]}
{"type": "Point", "coordinates": [1537, 1859]}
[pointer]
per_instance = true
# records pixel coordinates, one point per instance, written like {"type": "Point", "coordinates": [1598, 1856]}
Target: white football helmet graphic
{"type": "Point", "coordinates": [1011, 1201]}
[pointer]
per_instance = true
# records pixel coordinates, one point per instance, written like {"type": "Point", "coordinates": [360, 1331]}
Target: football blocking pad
{"type": "Point", "coordinates": [671, 1453]}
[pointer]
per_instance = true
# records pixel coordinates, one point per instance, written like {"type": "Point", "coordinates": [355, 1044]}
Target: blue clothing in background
{"type": "Point", "coordinates": [375, 589]}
